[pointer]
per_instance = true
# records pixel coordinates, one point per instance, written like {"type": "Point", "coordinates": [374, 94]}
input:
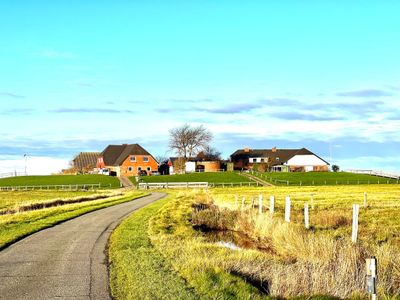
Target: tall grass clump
{"type": "Point", "coordinates": [306, 263]}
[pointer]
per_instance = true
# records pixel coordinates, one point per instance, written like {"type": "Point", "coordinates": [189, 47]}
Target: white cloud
{"type": "Point", "coordinates": [38, 165]}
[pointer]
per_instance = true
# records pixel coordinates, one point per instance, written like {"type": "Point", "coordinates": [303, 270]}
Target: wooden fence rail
{"type": "Point", "coordinates": [167, 185]}
{"type": "Point", "coordinates": [64, 187]}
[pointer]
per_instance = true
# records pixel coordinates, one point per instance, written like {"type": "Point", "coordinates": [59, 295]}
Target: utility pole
{"type": "Point", "coordinates": [26, 161]}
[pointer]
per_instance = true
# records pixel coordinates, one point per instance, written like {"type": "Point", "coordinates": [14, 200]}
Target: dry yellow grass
{"type": "Point", "coordinates": [295, 262]}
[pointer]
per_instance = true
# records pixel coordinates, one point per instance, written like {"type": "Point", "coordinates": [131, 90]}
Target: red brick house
{"type": "Point", "coordinates": [126, 160]}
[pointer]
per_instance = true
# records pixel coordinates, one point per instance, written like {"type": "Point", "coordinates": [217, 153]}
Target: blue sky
{"type": "Point", "coordinates": [78, 75]}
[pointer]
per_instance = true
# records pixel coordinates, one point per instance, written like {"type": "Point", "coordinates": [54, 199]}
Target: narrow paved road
{"type": "Point", "coordinates": [67, 261]}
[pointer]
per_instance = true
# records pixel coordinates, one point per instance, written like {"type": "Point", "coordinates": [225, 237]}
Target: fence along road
{"type": "Point", "coordinates": [65, 261]}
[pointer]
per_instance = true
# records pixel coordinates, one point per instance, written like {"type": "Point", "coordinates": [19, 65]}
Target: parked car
{"type": "Point", "coordinates": [142, 173]}
{"type": "Point", "coordinates": [104, 172]}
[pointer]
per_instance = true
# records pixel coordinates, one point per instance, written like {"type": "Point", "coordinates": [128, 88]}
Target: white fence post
{"type": "Point", "coordinates": [271, 205]}
{"type": "Point", "coordinates": [306, 216]}
{"type": "Point", "coordinates": [260, 204]}
{"type": "Point", "coordinates": [354, 232]}
{"type": "Point", "coordinates": [287, 209]}
{"type": "Point", "coordinates": [372, 268]}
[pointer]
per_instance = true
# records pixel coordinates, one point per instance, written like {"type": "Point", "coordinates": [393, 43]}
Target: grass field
{"type": "Point", "coordinates": [322, 178]}
{"type": "Point", "coordinates": [105, 181]}
{"type": "Point", "coordinates": [15, 199]}
{"type": "Point", "coordinates": [288, 260]}
{"type": "Point", "coordinates": [16, 226]}
{"type": "Point", "coordinates": [223, 177]}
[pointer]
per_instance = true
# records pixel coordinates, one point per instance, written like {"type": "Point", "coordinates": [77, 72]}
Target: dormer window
{"type": "Point", "coordinates": [277, 158]}
{"type": "Point", "coordinates": [133, 158]}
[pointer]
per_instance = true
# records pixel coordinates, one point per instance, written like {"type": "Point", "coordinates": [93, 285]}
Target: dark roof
{"type": "Point", "coordinates": [86, 159]}
{"type": "Point", "coordinates": [115, 155]}
{"type": "Point", "coordinates": [283, 154]}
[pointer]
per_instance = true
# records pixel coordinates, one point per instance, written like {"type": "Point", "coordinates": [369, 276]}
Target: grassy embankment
{"type": "Point", "coordinates": [105, 181]}
{"type": "Point", "coordinates": [322, 178]}
{"type": "Point", "coordinates": [15, 226]}
{"type": "Point", "coordinates": [211, 177]}
{"type": "Point", "coordinates": [293, 262]}
{"type": "Point", "coordinates": [13, 200]}
{"type": "Point", "coordinates": [137, 269]}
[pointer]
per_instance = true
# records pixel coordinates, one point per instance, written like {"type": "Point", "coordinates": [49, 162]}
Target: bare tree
{"type": "Point", "coordinates": [210, 153]}
{"type": "Point", "coordinates": [186, 141]}
{"type": "Point", "coordinates": [161, 159]}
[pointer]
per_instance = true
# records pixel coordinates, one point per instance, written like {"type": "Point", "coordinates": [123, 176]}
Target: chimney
{"type": "Point", "coordinates": [274, 149]}
{"type": "Point", "coordinates": [246, 150]}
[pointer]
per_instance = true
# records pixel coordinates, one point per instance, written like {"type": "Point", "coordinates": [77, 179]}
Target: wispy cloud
{"type": "Point", "coordinates": [54, 54]}
{"type": "Point", "coordinates": [17, 111]}
{"type": "Point", "coordinates": [230, 109]}
{"type": "Point", "coordinates": [367, 93]}
{"type": "Point", "coordinates": [91, 110]}
{"type": "Point", "coordinates": [84, 84]}
{"type": "Point", "coordinates": [304, 116]}
{"type": "Point", "coordinates": [11, 95]}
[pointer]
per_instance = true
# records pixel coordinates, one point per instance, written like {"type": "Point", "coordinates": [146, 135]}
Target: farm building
{"type": "Point", "coordinates": [195, 164]}
{"type": "Point", "coordinates": [85, 162]}
{"type": "Point", "coordinates": [279, 160]}
{"type": "Point", "coordinates": [126, 160]}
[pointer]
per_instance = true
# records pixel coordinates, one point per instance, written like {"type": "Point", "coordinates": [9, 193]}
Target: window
{"type": "Point", "coordinates": [129, 169]}
{"type": "Point", "coordinates": [139, 168]}
{"type": "Point", "coordinates": [277, 158]}
{"type": "Point", "coordinates": [262, 159]}
{"type": "Point", "coordinates": [145, 159]}
{"type": "Point", "coordinates": [133, 158]}
{"type": "Point", "coordinates": [254, 160]}
{"type": "Point", "coordinates": [148, 169]}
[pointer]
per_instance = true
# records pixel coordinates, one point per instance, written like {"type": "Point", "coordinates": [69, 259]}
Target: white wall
{"type": "Point", "coordinates": [190, 166]}
{"type": "Point", "coordinates": [306, 160]}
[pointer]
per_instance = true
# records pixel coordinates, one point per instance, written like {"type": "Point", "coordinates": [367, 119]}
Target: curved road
{"type": "Point", "coordinates": [67, 261]}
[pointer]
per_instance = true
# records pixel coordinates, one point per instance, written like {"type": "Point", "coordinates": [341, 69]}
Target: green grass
{"type": "Point", "coordinates": [105, 181]}
{"type": "Point", "coordinates": [15, 199]}
{"type": "Point", "coordinates": [322, 178]}
{"type": "Point", "coordinates": [16, 226]}
{"type": "Point", "coordinates": [223, 177]}
{"type": "Point", "coordinates": [137, 269]}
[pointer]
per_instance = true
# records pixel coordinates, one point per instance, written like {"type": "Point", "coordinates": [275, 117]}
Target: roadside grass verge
{"type": "Point", "coordinates": [105, 181]}
{"type": "Point", "coordinates": [137, 269]}
{"type": "Point", "coordinates": [13, 200]}
{"type": "Point", "coordinates": [14, 227]}
{"type": "Point", "coordinates": [211, 177]}
{"type": "Point", "coordinates": [322, 178]}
